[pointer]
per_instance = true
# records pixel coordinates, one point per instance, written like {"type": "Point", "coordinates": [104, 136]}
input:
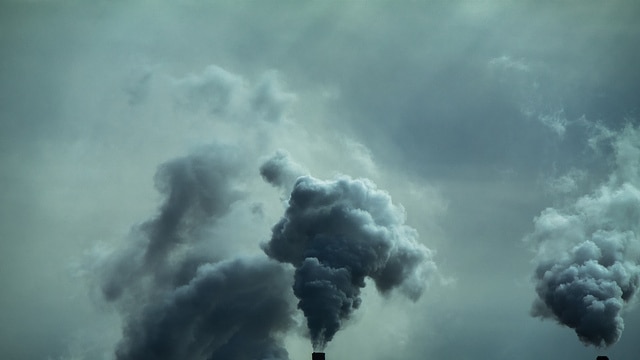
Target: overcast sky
{"type": "Point", "coordinates": [505, 133]}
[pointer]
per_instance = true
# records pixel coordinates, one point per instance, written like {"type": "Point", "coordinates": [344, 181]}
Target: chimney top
{"type": "Point", "coordinates": [320, 356]}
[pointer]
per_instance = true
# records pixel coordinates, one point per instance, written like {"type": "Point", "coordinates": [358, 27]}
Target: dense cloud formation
{"type": "Point", "coordinates": [588, 265]}
{"type": "Point", "coordinates": [179, 303]}
{"type": "Point", "coordinates": [337, 233]}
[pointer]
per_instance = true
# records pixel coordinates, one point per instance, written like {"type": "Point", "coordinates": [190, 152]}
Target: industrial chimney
{"type": "Point", "coordinates": [317, 356]}
{"type": "Point", "coordinates": [598, 358]}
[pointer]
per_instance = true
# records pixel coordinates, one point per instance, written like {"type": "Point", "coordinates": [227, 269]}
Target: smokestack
{"type": "Point", "coordinates": [317, 356]}
{"type": "Point", "coordinates": [602, 358]}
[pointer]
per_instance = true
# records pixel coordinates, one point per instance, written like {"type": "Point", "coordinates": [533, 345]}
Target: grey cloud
{"type": "Point", "coordinates": [423, 100]}
{"type": "Point", "coordinates": [626, 147]}
{"type": "Point", "coordinates": [566, 184]}
{"type": "Point", "coordinates": [555, 121]}
{"type": "Point", "coordinates": [337, 233]}
{"type": "Point", "coordinates": [198, 189]}
{"type": "Point", "coordinates": [532, 91]}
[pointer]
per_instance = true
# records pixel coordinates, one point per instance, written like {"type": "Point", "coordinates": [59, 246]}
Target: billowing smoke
{"type": "Point", "coordinates": [179, 300]}
{"type": "Point", "coordinates": [336, 234]}
{"type": "Point", "coordinates": [229, 310]}
{"type": "Point", "coordinates": [281, 172]}
{"type": "Point", "coordinates": [588, 261]}
{"type": "Point", "coordinates": [198, 190]}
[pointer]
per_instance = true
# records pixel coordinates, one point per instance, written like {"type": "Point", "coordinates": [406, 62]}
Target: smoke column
{"type": "Point", "coordinates": [587, 266]}
{"type": "Point", "coordinates": [178, 301]}
{"type": "Point", "coordinates": [336, 234]}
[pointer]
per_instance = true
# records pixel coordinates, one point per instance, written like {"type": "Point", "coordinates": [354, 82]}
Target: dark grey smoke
{"type": "Point", "coordinates": [230, 310]}
{"type": "Point", "coordinates": [198, 189]}
{"type": "Point", "coordinates": [336, 234]}
{"type": "Point", "coordinates": [179, 302]}
{"type": "Point", "coordinates": [280, 171]}
{"type": "Point", "coordinates": [587, 266]}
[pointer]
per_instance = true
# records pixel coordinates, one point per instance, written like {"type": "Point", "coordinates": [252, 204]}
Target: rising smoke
{"type": "Point", "coordinates": [179, 302]}
{"type": "Point", "coordinates": [280, 171]}
{"type": "Point", "coordinates": [336, 234]}
{"type": "Point", "coordinates": [181, 298]}
{"type": "Point", "coordinates": [587, 267]}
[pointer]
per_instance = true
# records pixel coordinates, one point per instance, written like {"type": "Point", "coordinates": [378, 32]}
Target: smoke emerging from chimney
{"type": "Point", "coordinates": [337, 233]}
{"type": "Point", "coordinates": [181, 290]}
{"type": "Point", "coordinates": [587, 266]}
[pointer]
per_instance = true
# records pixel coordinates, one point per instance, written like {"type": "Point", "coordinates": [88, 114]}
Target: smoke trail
{"type": "Point", "coordinates": [587, 264]}
{"type": "Point", "coordinates": [198, 190]}
{"type": "Point", "coordinates": [337, 233]}
{"type": "Point", "coordinates": [220, 92]}
{"type": "Point", "coordinates": [281, 172]}
{"type": "Point", "coordinates": [179, 302]}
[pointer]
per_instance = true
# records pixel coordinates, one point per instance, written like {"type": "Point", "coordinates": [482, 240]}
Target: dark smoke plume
{"type": "Point", "coordinates": [587, 265]}
{"type": "Point", "coordinates": [230, 310]}
{"type": "Point", "coordinates": [336, 234]}
{"type": "Point", "coordinates": [180, 302]}
{"type": "Point", "coordinates": [198, 190]}
{"type": "Point", "coordinates": [281, 172]}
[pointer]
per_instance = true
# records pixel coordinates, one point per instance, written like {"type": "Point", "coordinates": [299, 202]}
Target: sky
{"type": "Point", "coordinates": [185, 179]}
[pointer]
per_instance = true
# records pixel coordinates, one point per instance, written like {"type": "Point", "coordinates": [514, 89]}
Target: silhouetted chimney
{"type": "Point", "coordinates": [602, 358]}
{"type": "Point", "coordinates": [320, 356]}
